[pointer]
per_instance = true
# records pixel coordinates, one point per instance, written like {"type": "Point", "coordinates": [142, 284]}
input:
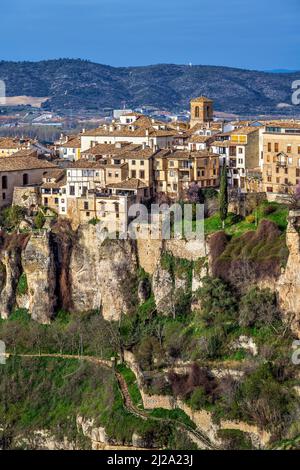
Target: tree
{"type": "Point", "coordinates": [223, 195]}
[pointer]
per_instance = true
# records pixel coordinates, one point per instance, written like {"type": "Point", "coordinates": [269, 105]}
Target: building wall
{"type": "Point", "coordinates": [15, 178]}
{"type": "Point", "coordinates": [281, 177]}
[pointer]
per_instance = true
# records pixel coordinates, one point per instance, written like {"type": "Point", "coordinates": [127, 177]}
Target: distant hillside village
{"type": "Point", "coordinates": [99, 173]}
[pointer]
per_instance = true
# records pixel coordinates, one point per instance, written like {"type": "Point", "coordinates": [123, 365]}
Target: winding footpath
{"type": "Point", "coordinates": [196, 436]}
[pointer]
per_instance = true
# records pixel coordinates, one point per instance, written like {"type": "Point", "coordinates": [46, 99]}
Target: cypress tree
{"type": "Point", "coordinates": [223, 195]}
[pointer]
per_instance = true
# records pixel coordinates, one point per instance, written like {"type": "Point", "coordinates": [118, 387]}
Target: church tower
{"type": "Point", "coordinates": [201, 111]}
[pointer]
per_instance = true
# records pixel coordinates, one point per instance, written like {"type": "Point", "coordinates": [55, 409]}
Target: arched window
{"type": "Point", "coordinates": [197, 111]}
{"type": "Point", "coordinates": [4, 182]}
{"type": "Point", "coordinates": [25, 179]}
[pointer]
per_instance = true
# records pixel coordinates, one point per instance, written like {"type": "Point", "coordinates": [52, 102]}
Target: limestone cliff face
{"type": "Point", "coordinates": [288, 286]}
{"type": "Point", "coordinates": [10, 270]}
{"type": "Point", "coordinates": [162, 286]}
{"type": "Point", "coordinates": [39, 267]}
{"type": "Point", "coordinates": [103, 273]}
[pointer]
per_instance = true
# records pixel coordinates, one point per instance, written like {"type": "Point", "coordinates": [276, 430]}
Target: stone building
{"type": "Point", "coordinates": [20, 171]}
{"type": "Point", "coordinates": [281, 155]}
{"type": "Point", "coordinates": [201, 111]}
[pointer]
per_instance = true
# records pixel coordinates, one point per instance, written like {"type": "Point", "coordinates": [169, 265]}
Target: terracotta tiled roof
{"type": "Point", "coordinates": [132, 183]}
{"type": "Point", "coordinates": [244, 131]}
{"type": "Point", "coordinates": [25, 153]}
{"type": "Point", "coordinates": [23, 163]}
{"type": "Point", "coordinates": [134, 131]}
{"type": "Point", "coordinates": [109, 149]}
{"type": "Point", "coordinates": [72, 143]}
{"type": "Point", "coordinates": [83, 163]}
{"type": "Point", "coordinates": [200, 139]}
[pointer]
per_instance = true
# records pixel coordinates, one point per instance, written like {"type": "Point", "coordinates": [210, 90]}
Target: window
{"type": "Point", "coordinates": [269, 189]}
{"type": "Point", "coordinates": [133, 174]}
{"type": "Point", "coordinates": [133, 162]}
{"type": "Point", "coordinates": [4, 182]}
{"type": "Point", "coordinates": [197, 112]}
{"type": "Point", "coordinates": [45, 201]}
{"type": "Point", "coordinates": [175, 187]}
{"type": "Point", "coordinates": [63, 209]}
{"type": "Point", "coordinates": [289, 149]}
{"type": "Point", "coordinates": [109, 174]}
{"type": "Point", "coordinates": [172, 173]}
{"type": "Point", "coordinates": [3, 196]}
{"type": "Point", "coordinates": [171, 163]}
{"type": "Point", "coordinates": [25, 179]}
{"type": "Point", "coordinates": [276, 146]}
{"type": "Point", "coordinates": [278, 180]}
{"type": "Point", "coordinates": [269, 147]}
{"type": "Point", "coordinates": [87, 214]}
{"type": "Point", "coordinates": [286, 181]}
{"type": "Point", "coordinates": [297, 172]}
{"type": "Point", "coordinates": [56, 201]}
{"type": "Point", "coordinates": [142, 174]}
{"type": "Point", "coordinates": [240, 150]}
{"type": "Point", "coordinates": [298, 150]}
{"type": "Point", "coordinates": [86, 205]}
{"type": "Point", "coordinates": [269, 179]}
{"type": "Point", "coordinates": [142, 162]}
{"type": "Point", "coordinates": [72, 190]}
{"type": "Point", "coordinates": [290, 160]}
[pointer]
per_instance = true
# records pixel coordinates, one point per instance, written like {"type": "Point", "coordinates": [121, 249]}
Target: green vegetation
{"type": "Point", "coordinates": [87, 334]}
{"type": "Point", "coordinates": [177, 415]}
{"type": "Point", "coordinates": [237, 226]}
{"type": "Point", "coordinates": [234, 439]}
{"type": "Point", "coordinates": [39, 220]}
{"type": "Point", "coordinates": [132, 385]}
{"type": "Point", "coordinates": [10, 217]}
{"type": "Point", "coordinates": [22, 286]}
{"type": "Point", "coordinates": [94, 221]}
{"type": "Point", "coordinates": [50, 393]}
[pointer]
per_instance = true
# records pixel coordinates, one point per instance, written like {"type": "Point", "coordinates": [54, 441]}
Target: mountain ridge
{"type": "Point", "coordinates": [79, 84]}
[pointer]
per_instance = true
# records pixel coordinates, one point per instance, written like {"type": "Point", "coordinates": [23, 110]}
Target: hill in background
{"type": "Point", "coordinates": [83, 85]}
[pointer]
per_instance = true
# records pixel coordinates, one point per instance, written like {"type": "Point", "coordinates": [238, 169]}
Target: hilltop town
{"type": "Point", "coordinates": [151, 343]}
{"type": "Point", "coordinates": [98, 173]}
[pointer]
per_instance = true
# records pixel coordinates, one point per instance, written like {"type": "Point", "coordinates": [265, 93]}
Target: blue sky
{"type": "Point", "coordinates": [256, 34]}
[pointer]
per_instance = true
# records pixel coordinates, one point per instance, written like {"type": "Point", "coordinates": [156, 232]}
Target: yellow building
{"type": "Point", "coordinates": [9, 146]}
{"type": "Point", "coordinates": [175, 170]}
{"type": "Point", "coordinates": [281, 153]}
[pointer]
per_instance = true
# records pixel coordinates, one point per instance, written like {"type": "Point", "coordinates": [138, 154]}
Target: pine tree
{"type": "Point", "coordinates": [223, 195]}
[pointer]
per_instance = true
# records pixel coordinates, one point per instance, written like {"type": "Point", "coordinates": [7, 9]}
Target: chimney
{"type": "Point", "coordinates": [83, 130]}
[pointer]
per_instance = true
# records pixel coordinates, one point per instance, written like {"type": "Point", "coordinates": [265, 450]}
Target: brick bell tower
{"type": "Point", "coordinates": [202, 110]}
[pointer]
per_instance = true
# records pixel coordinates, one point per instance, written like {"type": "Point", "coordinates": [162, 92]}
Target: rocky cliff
{"type": "Point", "coordinates": [80, 270]}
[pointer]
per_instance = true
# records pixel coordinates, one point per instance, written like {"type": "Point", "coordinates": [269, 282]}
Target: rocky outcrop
{"type": "Point", "coordinates": [288, 286]}
{"type": "Point", "coordinates": [103, 273]}
{"type": "Point", "coordinates": [162, 286]}
{"type": "Point", "coordinates": [11, 247]}
{"type": "Point", "coordinates": [39, 267]}
{"type": "Point", "coordinates": [11, 271]}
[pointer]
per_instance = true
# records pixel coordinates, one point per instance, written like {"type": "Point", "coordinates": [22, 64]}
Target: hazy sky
{"type": "Point", "coordinates": [256, 34]}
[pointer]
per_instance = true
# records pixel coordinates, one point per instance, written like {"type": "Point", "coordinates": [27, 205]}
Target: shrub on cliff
{"type": "Point", "coordinates": [10, 217]}
{"type": "Point", "coordinates": [218, 305]}
{"type": "Point", "coordinates": [258, 308]}
{"type": "Point", "coordinates": [39, 220]}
